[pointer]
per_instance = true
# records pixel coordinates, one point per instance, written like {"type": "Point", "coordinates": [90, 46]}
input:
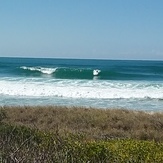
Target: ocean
{"type": "Point", "coordinates": [136, 85]}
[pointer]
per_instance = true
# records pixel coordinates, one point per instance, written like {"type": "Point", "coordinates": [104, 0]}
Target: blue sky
{"type": "Point", "coordinates": [106, 29]}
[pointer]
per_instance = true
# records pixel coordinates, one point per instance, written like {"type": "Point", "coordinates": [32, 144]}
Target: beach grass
{"type": "Point", "coordinates": [93, 123]}
{"type": "Point", "coordinates": [78, 134]}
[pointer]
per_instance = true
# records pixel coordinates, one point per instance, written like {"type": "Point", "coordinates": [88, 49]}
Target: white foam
{"type": "Point", "coordinates": [96, 72]}
{"type": "Point", "coordinates": [80, 89]}
{"type": "Point", "coordinates": [41, 69]}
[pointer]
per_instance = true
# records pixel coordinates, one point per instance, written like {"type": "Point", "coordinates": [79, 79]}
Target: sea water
{"type": "Point", "coordinates": [72, 82]}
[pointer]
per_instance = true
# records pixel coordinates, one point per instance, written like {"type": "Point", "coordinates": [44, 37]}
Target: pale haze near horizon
{"type": "Point", "coordinates": [106, 29]}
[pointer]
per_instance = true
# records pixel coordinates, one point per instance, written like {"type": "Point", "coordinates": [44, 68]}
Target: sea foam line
{"type": "Point", "coordinates": [78, 89]}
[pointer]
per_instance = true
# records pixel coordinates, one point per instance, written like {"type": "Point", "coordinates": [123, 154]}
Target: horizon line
{"type": "Point", "coordinates": [26, 57]}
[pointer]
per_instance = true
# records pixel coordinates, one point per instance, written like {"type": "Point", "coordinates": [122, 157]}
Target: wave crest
{"type": "Point", "coordinates": [40, 69]}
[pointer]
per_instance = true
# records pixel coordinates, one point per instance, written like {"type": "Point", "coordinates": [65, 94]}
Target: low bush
{"type": "Point", "coordinates": [96, 124]}
{"type": "Point", "coordinates": [23, 144]}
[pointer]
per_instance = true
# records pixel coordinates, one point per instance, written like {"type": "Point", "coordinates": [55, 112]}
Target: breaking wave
{"type": "Point", "coordinates": [60, 72]}
{"type": "Point", "coordinates": [40, 69]}
{"type": "Point", "coordinates": [85, 73]}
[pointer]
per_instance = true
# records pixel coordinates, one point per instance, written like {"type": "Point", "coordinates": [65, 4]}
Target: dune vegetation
{"type": "Point", "coordinates": [78, 134]}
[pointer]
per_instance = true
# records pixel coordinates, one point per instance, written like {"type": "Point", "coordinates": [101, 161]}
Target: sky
{"type": "Point", "coordinates": [98, 29]}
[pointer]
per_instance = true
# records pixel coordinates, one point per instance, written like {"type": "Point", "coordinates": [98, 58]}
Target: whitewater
{"type": "Point", "coordinates": [129, 84]}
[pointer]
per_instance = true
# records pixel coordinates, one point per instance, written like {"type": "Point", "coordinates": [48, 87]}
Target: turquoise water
{"type": "Point", "coordinates": [119, 84]}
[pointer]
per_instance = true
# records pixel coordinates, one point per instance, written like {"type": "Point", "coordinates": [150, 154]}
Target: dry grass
{"type": "Point", "coordinates": [90, 122]}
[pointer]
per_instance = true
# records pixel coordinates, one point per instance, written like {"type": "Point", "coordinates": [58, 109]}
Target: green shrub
{"type": "Point", "coordinates": [22, 144]}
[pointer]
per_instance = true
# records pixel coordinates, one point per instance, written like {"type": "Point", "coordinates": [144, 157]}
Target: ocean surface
{"type": "Point", "coordinates": [134, 85]}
